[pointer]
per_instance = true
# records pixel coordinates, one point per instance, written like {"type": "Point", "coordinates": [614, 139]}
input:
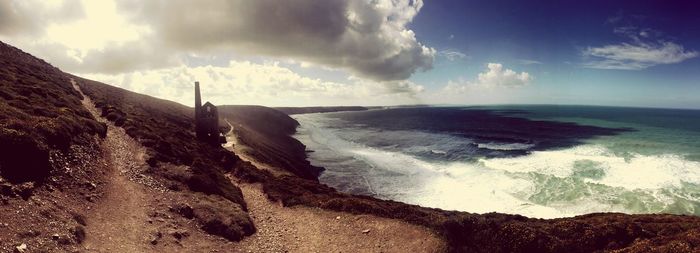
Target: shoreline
{"type": "Point", "coordinates": [484, 232]}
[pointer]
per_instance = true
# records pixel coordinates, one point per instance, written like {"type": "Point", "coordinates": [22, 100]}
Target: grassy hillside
{"type": "Point", "coordinates": [49, 155]}
{"type": "Point", "coordinates": [50, 149]}
{"type": "Point", "coordinates": [40, 113]}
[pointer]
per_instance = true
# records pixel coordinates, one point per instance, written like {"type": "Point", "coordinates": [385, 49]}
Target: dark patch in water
{"type": "Point", "coordinates": [482, 126]}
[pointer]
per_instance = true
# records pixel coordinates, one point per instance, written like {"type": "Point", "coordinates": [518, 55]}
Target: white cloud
{"type": "Point", "coordinates": [636, 56]}
{"type": "Point", "coordinates": [646, 49]}
{"type": "Point", "coordinates": [268, 83]}
{"type": "Point", "coordinates": [529, 62]}
{"type": "Point", "coordinates": [496, 77]}
{"type": "Point", "coordinates": [452, 55]}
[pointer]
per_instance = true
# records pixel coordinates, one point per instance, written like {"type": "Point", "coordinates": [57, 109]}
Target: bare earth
{"type": "Point", "coordinates": [303, 229]}
{"type": "Point", "coordinates": [119, 221]}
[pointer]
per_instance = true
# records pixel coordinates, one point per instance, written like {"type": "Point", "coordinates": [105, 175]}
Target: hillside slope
{"type": "Point", "coordinates": [50, 163]}
{"type": "Point", "coordinates": [58, 165]}
{"type": "Point", "coordinates": [57, 169]}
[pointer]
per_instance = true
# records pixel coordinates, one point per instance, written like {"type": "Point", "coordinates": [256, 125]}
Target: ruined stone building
{"type": "Point", "coordinates": [206, 120]}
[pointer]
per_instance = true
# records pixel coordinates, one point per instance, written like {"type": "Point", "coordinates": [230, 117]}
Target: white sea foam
{"type": "Point", "coordinates": [505, 146]}
{"type": "Point", "coordinates": [633, 172]}
{"type": "Point", "coordinates": [515, 185]}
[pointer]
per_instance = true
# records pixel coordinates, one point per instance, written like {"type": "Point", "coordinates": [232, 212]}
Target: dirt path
{"type": "Point", "coordinates": [305, 229]}
{"type": "Point", "coordinates": [119, 221]}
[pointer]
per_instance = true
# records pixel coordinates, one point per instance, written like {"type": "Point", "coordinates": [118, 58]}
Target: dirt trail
{"type": "Point", "coordinates": [305, 229]}
{"type": "Point", "coordinates": [119, 222]}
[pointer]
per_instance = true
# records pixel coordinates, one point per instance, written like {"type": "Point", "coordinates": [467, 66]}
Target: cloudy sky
{"type": "Point", "coordinates": [373, 52]}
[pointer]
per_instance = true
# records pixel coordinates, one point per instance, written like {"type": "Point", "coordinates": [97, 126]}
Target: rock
{"type": "Point", "coordinates": [21, 248]}
{"type": "Point", "coordinates": [366, 231]}
{"type": "Point", "coordinates": [24, 190]}
{"type": "Point", "coordinates": [55, 237]}
{"type": "Point", "coordinates": [79, 233]}
{"type": "Point", "coordinates": [179, 234]}
{"type": "Point", "coordinates": [183, 209]}
{"type": "Point", "coordinates": [337, 217]}
{"type": "Point", "coordinates": [79, 218]}
{"type": "Point", "coordinates": [64, 240]}
{"type": "Point", "coordinates": [155, 237]}
{"type": "Point", "coordinates": [6, 189]}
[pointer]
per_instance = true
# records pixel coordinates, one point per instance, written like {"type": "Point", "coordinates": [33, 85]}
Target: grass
{"type": "Point", "coordinates": [39, 112]}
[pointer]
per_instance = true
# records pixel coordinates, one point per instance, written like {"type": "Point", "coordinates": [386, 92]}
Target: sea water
{"type": "Point", "coordinates": [537, 161]}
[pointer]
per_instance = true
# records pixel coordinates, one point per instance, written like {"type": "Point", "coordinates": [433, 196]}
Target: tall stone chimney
{"type": "Point", "coordinates": [197, 100]}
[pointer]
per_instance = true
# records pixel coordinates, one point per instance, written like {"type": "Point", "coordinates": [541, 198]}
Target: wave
{"type": "Point", "coordinates": [544, 184]}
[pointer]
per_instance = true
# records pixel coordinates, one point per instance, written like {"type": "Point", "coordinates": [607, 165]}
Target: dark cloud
{"type": "Point", "coordinates": [30, 17]}
{"type": "Point", "coordinates": [369, 38]}
{"type": "Point", "coordinates": [127, 57]}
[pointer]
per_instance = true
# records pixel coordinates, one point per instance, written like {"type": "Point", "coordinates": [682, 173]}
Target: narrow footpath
{"type": "Point", "coordinates": [119, 221]}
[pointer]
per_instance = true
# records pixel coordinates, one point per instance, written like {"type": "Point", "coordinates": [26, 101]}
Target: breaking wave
{"type": "Point", "coordinates": [440, 170]}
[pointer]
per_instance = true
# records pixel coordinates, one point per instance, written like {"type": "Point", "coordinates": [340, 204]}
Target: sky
{"type": "Point", "coordinates": [373, 52]}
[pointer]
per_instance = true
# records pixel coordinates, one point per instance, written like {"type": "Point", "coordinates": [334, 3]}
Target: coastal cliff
{"type": "Point", "coordinates": [71, 146]}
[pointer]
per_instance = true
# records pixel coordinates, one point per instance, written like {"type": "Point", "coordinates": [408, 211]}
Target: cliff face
{"type": "Point", "coordinates": [268, 134]}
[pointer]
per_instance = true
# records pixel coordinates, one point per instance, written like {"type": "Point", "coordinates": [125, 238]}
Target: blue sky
{"type": "Point", "coordinates": [548, 40]}
{"type": "Point", "coordinates": [380, 52]}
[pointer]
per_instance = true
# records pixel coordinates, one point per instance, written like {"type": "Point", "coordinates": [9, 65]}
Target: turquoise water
{"type": "Point", "coordinates": [538, 161]}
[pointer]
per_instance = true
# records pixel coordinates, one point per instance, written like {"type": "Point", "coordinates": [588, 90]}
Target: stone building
{"type": "Point", "coordinates": [206, 120]}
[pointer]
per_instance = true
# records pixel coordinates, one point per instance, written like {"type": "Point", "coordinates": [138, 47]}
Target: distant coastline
{"type": "Point", "coordinates": [321, 109]}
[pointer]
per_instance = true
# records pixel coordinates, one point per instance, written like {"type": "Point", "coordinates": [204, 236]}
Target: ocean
{"type": "Point", "coordinates": [537, 161]}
